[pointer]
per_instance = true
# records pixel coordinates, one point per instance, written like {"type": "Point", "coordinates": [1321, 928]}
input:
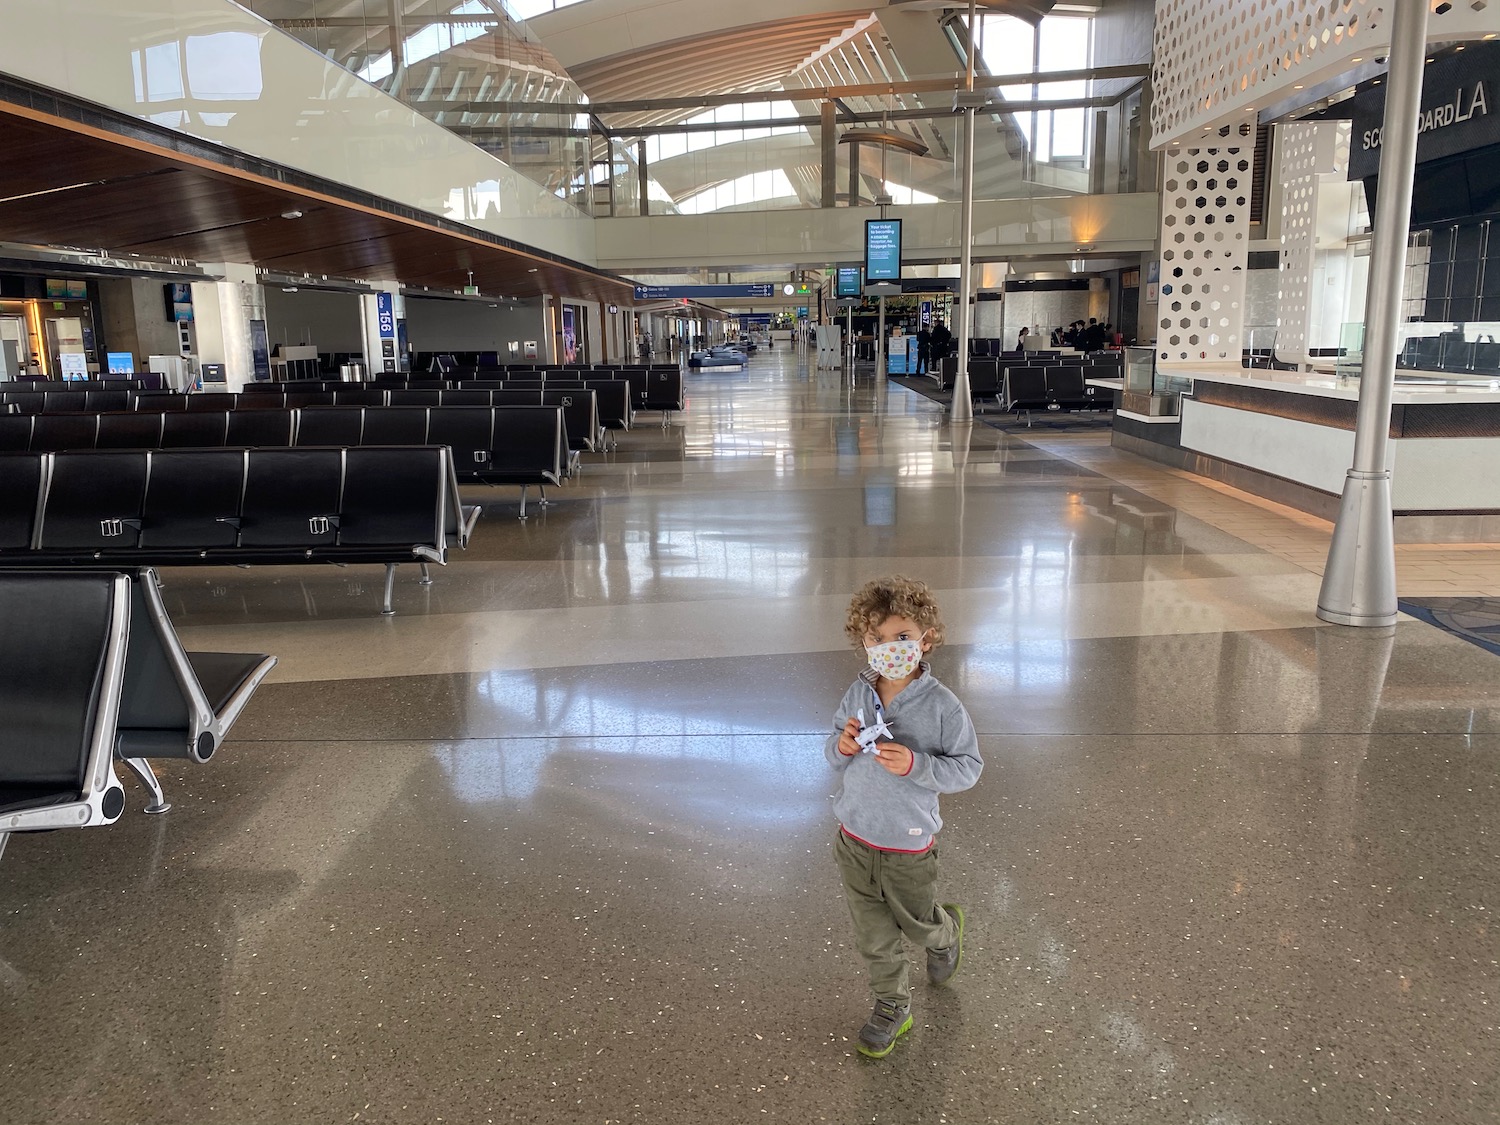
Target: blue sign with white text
{"type": "Point", "coordinates": [385, 315]}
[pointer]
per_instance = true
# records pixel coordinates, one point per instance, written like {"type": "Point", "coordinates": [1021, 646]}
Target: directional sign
{"type": "Point", "coordinates": [385, 316]}
{"type": "Point", "coordinates": [682, 292]}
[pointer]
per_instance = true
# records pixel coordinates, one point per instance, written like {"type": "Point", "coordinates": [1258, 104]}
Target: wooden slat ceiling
{"type": "Point", "coordinates": [72, 185]}
{"type": "Point", "coordinates": [753, 57]}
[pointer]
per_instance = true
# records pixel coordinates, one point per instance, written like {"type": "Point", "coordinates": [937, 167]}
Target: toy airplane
{"type": "Point", "coordinates": [868, 736]}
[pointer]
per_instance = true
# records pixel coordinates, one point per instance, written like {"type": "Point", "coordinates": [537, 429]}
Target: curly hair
{"type": "Point", "coordinates": [895, 596]}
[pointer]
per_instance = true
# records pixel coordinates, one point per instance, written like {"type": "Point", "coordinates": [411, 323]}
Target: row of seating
{"type": "Point", "coordinates": [586, 416]}
{"type": "Point", "coordinates": [233, 506]}
{"type": "Point", "coordinates": [988, 370]}
{"type": "Point", "coordinates": [521, 446]}
{"type": "Point", "coordinates": [1027, 389]}
{"type": "Point", "coordinates": [651, 389]}
{"type": "Point", "coordinates": [91, 673]}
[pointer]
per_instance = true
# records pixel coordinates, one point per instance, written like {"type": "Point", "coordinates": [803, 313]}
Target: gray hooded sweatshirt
{"type": "Point", "coordinates": [900, 814]}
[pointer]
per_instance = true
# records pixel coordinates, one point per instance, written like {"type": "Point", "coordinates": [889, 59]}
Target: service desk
{"type": "Point", "coordinates": [1290, 437]}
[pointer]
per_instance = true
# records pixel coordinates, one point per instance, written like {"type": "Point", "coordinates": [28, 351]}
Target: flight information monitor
{"type": "Point", "coordinates": [882, 250]}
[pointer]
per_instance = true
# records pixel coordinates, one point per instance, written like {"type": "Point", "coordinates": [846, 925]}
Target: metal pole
{"type": "Point", "coordinates": [1359, 581]}
{"type": "Point", "coordinates": [880, 371]}
{"type": "Point", "coordinates": [963, 404]}
{"type": "Point", "coordinates": [830, 139]}
{"type": "Point", "coordinates": [849, 339]}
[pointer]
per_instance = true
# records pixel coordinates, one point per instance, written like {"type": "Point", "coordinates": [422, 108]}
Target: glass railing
{"type": "Point", "coordinates": [1451, 351]}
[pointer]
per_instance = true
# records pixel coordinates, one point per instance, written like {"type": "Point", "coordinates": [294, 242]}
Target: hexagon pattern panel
{"type": "Point", "coordinates": [1298, 145]}
{"type": "Point", "coordinates": [1215, 59]}
{"type": "Point", "coordinates": [1205, 230]}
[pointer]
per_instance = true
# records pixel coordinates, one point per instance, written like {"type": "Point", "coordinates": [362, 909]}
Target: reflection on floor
{"type": "Point", "coordinates": [553, 844]}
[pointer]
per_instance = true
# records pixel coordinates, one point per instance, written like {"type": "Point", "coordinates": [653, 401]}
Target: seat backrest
{"type": "Point", "coordinates": [193, 498]}
{"type": "Point", "coordinates": [331, 425]}
{"type": "Point", "coordinates": [55, 660]}
{"type": "Point", "coordinates": [15, 432]}
{"type": "Point", "coordinates": [580, 415]}
{"type": "Point", "coordinates": [468, 430]}
{"type": "Point", "coordinates": [159, 401]}
{"type": "Point", "coordinates": [260, 427]}
{"type": "Point", "coordinates": [465, 397]}
{"type": "Point", "coordinates": [212, 400]}
{"type": "Point", "coordinates": [107, 400]}
{"type": "Point", "coordinates": [94, 500]}
{"type": "Point", "coordinates": [129, 429]}
{"type": "Point", "coordinates": [395, 425]}
{"type": "Point", "coordinates": [393, 496]}
{"type": "Point", "coordinates": [56, 432]}
{"type": "Point", "coordinates": [409, 397]}
{"type": "Point", "coordinates": [181, 429]}
{"type": "Point", "coordinates": [65, 400]}
{"type": "Point", "coordinates": [1065, 384]}
{"type": "Point", "coordinates": [296, 399]}
{"type": "Point", "coordinates": [291, 498]}
{"type": "Point", "coordinates": [1026, 384]}
{"type": "Point", "coordinates": [359, 396]}
{"type": "Point", "coordinates": [19, 499]}
{"type": "Point", "coordinates": [529, 437]}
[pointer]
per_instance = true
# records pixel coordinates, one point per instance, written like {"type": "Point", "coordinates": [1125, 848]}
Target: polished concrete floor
{"type": "Point", "coordinates": [553, 845]}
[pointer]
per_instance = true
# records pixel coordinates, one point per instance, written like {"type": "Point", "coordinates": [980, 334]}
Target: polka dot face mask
{"type": "Point", "coordinates": [895, 660]}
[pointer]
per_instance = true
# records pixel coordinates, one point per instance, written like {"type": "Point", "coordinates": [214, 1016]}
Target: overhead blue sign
{"type": "Point", "coordinates": [699, 292]}
{"type": "Point", "coordinates": [882, 250]}
{"type": "Point", "coordinates": [385, 315]}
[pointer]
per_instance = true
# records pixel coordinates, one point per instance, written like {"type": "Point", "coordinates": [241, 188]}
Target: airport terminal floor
{"type": "Point", "coordinates": [554, 844]}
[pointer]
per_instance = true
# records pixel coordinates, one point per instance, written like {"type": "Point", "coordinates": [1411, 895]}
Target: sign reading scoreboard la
{"type": "Point", "coordinates": [882, 250]}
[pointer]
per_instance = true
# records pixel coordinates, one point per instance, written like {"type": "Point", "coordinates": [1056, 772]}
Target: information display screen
{"type": "Point", "coordinates": [882, 250]}
{"type": "Point", "coordinates": [850, 283]}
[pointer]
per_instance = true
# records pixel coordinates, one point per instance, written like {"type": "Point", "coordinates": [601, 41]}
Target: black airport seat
{"type": "Point", "coordinates": [1026, 390]}
{"type": "Point", "coordinates": [463, 397]}
{"type": "Point", "coordinates": [424, 397]}
{"type": "Point", "coordinates": [359, 396]}
{"type": "Point", "coordinates": [64, 400]}
{"type": "Point", "coordinates": [534, 450]}
{"type": "Point", "coordinates": [107, 400]}
{"type": "Point", "coordinates": [22, 474]}
{"type": "Point", "coordinates": [15, 432]}
{"type": "Point", "coordinates": [331, 425]}
{"type": "Point", "coordinates": [984, 377]}
{"type": "Point", "coordinates": [160, 400]}
{"type": "Point", "coordinates": [129, 430]}
{"type": "Point", "coordinates": [580, 416]}
{"type": "Point", "coordinates": [62, 676]}
{"type": "Point", "coordinates": [1065, 387]}
{"type": "Point", "coordinates": [260, 427]}
{"type": "Point", "coordinates": [193, 499]}
{"type": "Point", "coordinates": [291, 500]}
{"type": "Point", "coordinates": [467, 430]}
{"type": "Point", "coordinates": [395, 425]}
{"type": "Point", "coordinates": [52, 433]}
{"type": "Point", "coordinates": [93, 502]}
{"type": "Point", "coordinates": [297, 399]}
{"type": "Point", "coordinates": [177, 704]}
{"type": "Point", "coordinates": [213, 400]}
{"type": "Point", "coordinates": [182, 429]}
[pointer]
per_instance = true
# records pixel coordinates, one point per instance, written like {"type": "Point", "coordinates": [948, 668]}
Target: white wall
{"type": "Point", "coordinates": [327, 320]}
{"type": "Point", "coordinates": [1041, 312]}
{"type": "Point", "coordinates": [472, 326]}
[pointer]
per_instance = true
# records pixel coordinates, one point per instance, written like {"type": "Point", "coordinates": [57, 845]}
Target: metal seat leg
{"type": "Point", "coordinates": [543, 502]}
{"type": "Point", "coordinates": [426, 579]}
{"type": "Point", "coordinates": [523, 501]}
{"type": "Point", "coordinates": [142, 770]}
{"type": "Point", "coordinates": [386, 609]}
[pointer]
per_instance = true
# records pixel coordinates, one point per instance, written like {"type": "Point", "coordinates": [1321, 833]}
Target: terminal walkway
{"type": "Point", "coordinates": [553, 845]}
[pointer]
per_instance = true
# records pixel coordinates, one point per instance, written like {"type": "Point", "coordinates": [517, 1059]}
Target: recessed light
{"type": "Point", "coordinates": [1356, 60]}
{"type": "Point", "coordinates": [291, 214]}
{"type": "Point", "coordinates": [532, 270]}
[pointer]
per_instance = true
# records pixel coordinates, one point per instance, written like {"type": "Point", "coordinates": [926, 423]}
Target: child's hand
{"type": "Point", "coordinates": [847, 746]}
{"type": "Point", "coordinates": [897, 759]}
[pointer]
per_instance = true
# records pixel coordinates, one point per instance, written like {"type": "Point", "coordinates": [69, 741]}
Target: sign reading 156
{"type": "Point", "coordinates": [385, 314]}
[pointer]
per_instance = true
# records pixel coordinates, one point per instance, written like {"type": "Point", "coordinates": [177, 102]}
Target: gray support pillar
{"type": "Point", "coordinates": [1359, 582]}
{"type": "Point", "coordinates": [830, 138]}
{"type": "Point", "coordinates": [880, 369]}
{"type": "Point", "coordinates": [640, 160]}
{"type": "Point", "coordinates": [854, 175]}
{"type": "Point", "coordinates": [963, 403]}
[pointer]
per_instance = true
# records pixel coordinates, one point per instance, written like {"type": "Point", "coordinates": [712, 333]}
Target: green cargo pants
{"type": "Point", "coordinates": [890, 894]}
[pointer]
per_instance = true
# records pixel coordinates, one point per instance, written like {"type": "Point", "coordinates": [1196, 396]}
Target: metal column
{"type": "Point", "coordinates": [963, 404]}
{"type": "Point", "coordinates": [830, 138]}
{"type": "Point", "coordinates": [1359, 581]}
{"type": "Point", "coordinates": [880, 370]}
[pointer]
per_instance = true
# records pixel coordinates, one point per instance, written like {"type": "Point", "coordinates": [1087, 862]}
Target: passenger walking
{"type": "Point", "coordinates": [900, 738]}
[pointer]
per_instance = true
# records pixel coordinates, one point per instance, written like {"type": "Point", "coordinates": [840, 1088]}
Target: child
{"type": "Point", "coordinates": [900, 738]}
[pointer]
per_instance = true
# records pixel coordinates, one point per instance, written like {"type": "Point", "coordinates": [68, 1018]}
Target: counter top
{"type": "Point", "coordinates": [1408, 391]}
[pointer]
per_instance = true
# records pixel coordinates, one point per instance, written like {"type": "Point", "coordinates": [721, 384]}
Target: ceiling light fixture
{"type": "Point", "coordinates": [291, 214]}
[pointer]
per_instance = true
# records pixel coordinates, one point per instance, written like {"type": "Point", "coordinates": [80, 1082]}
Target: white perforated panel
{"type": "Point", "coordinates": [1298, 146]}
{"type": "Point", "coordinates": [1215, 59]}
{"type": "Point", "coordinates": [1205, 219]}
